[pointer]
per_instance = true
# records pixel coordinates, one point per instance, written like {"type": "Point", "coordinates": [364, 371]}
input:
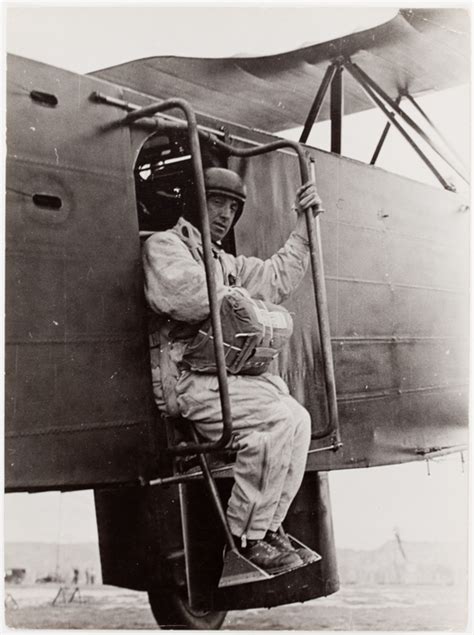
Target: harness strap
{"type": "Point", "coordinates": [169, 370]}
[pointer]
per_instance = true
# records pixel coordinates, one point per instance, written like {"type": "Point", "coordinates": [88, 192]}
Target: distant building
{"type": "Point", "coordinates": [15, 576]}
{"type": "Point", "coordinates": [418, 563]}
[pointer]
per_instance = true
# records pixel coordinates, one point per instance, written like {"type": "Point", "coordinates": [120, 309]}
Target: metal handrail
{"type": "Point", "coordinates": [191, 448]}
{"type": "Point", "coordinates": [317, 267]}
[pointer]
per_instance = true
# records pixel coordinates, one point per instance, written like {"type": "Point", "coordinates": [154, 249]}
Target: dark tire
{"type": "Point", "coordinates": [171, 609]}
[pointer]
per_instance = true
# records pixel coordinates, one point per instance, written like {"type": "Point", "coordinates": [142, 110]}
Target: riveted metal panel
{"type": "Point", "coordinates": [396, 264]}
{"type": "Point", "coordinates": [395, 254]}
{"type": "Point", "coordinates": [79, 410]}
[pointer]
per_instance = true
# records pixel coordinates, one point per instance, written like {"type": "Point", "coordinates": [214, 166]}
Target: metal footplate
{"type": "Point", "coordinates": [297, 544]}
{"type": "Point", "coordinates": [238, 570]}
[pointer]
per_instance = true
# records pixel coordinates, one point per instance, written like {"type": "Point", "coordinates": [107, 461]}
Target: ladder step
{"type": "Point", "coordinates": [239, 570]}
{"type": "Point", "coordinates": [297, 544]}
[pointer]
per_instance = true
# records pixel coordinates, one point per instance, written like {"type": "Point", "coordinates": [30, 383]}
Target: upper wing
{"type": "Point", "coordinates": [420, 50]}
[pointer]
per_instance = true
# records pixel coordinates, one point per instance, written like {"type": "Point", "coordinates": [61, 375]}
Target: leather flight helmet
{"type": "Point", "coordinates": [228, 183]}
{"type": "Point", "coordinates": [224, 181]}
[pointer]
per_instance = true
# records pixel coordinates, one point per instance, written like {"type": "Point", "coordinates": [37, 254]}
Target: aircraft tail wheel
{"type": "Point", "coordinates": [171, 609]}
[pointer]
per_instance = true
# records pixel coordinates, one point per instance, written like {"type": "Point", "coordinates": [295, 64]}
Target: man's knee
{"type": "Point", "coordinates": [305, 425]}
{"type": "Point", "coordinates": [302, 420]}
{"type": "Point", "coordinates": [273, 421]}
{"type": "Point", "coordinates": [305, 418]}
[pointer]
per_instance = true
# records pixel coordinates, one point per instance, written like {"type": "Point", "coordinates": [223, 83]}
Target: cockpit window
{"type": "Point", "coordinates": [164, 183]}
{"type": "Point", "coordinates": [163, 177]}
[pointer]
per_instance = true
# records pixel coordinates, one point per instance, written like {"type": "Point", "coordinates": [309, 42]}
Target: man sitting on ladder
{"type": "Point", "coordinates": [272, 429]}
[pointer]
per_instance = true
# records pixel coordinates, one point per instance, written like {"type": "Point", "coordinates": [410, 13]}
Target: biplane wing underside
{"type": "Point", "coordinates": [420, 50]}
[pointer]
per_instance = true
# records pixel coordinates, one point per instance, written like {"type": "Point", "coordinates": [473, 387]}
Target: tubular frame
{"type": "Point", "coordinates": [317, 268]}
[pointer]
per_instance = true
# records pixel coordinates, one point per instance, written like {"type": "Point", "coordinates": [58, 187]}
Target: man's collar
{"type": "Point", "coordinates": [192, 236]}
{"type": "Point", "coordinates": [188, 232]}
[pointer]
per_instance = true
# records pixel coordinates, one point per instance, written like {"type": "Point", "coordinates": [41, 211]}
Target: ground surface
{"type": "Point", "coordinates": [388, 608]}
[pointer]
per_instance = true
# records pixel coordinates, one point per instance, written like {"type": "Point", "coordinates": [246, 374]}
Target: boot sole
{"type": "Point", "coordinates": [282, 569]}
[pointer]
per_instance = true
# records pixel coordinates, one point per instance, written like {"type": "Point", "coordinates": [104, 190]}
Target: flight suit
{"type": "Point", "coordinates": [272, 428]}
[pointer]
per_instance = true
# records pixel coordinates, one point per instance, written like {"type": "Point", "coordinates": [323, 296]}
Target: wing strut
{"type": "Point", "coordinates": [337, 109]}
{"type": "Point", "coordinates": [390, 107]}
{"type": "Point", "coordinates": [379, 96]}
{"type": "Point", "coordinates": [431, 124]}
{"type": "Point", "coordinates": [377, 150]}
{"type": "Point", "coordinates": [318, 101]}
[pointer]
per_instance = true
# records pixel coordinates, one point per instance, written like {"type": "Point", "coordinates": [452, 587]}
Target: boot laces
{"type": "Point", "coordinates": [266, 547]}
{"type": "Point", "coordinates": [281, 540]}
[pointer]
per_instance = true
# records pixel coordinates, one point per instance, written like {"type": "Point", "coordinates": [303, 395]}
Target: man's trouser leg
{"type": "Point", "coordinates": [273, 431]}
{"type": "Point", "coordinates": [295, 474]}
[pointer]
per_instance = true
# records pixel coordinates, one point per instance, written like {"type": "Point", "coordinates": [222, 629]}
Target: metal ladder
{"type": "Point", "coordinates": [236, 568]}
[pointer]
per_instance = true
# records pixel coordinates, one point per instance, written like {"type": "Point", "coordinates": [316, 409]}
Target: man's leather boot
{"type": "Point", "coordinates": [279, 540]}
{"type": "Point", "coordinates": [269, 558]}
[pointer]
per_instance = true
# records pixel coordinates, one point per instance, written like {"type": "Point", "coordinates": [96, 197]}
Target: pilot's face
{"type": "Point", "coordinates": [222, 210]}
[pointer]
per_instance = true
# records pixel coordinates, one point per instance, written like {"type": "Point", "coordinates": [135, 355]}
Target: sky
{"type": "Point", "coordinates": [85, 39]}
{"type": "Point", "coordinates": [368, 505]}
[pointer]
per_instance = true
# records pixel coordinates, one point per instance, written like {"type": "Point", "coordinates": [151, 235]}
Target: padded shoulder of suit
{"type": "Point", "coordinates": [163, 240]}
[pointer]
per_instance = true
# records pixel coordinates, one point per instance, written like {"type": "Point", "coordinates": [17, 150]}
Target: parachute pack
{"type": "Point", "coordinates": [254, 332]}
